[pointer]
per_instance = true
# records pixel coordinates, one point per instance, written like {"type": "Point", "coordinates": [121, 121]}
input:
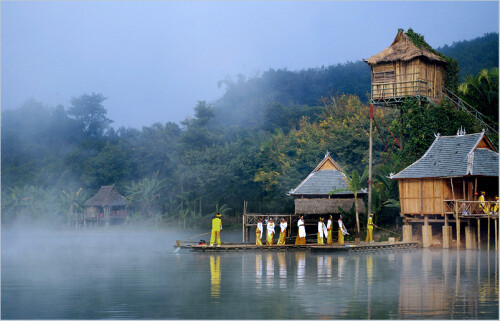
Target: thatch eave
{"type": "Point", "coordinates": [402, 49]}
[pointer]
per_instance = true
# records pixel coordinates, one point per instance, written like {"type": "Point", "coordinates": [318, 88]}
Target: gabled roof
{"type": "Point", "coordinates": [455, 156]}
{"type": "Point", "coordinates": [402, 48]}
{"type": "Point", "coordinates": [106, 196]}
{"type": "Point", "coordinates": [326, 177]}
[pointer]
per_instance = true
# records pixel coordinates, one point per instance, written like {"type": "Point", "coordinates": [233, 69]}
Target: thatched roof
{"type": "Point", "coordinates": [402, 49]}
{"type": "Point", "coordinates": [107, 196]}
{"type": "Point", "coordinates": [455, 156]}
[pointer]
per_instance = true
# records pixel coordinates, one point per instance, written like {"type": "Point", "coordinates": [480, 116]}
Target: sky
{"type": "Point", "coordinates": [154, 60]}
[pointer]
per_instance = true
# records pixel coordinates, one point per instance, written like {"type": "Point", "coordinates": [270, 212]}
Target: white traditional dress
{"type": "Point", "coordinates": [342, 231]}
{"type": "Point", "coordinates": [281, 240]}
{"type": "Point", "coordinates": [258, 233]}
{"type": "Point", "coordinates": [270, 233]}
{"type": "Point", "coordinates": [301, 235]}
{"type": "Point", "coordinates": [321, 232]}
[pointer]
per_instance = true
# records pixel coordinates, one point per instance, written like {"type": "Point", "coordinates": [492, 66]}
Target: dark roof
{"type": "Point", "coordinates": [322, 182]}
{"type": "Point", "coordinates": [454, 156]}
{"type": "Point", "coordinates": [107, 196]}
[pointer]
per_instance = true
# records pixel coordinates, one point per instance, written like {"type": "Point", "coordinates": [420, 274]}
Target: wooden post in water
{"type": "Point", "coordinates": [496, 235]}
{"type": "Point", "coordinates": [478, 234]}
{"type": "Point", "coordinates": [488, 232]}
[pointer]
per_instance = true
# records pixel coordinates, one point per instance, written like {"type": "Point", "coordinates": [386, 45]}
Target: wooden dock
{"type": "Point", "coordinates": [348, 247]}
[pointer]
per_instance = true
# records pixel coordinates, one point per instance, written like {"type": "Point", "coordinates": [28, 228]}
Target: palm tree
{"type": "Point", "coordinates": [481, 92]}
{"type": "Point", "coordinates": [354, 184]}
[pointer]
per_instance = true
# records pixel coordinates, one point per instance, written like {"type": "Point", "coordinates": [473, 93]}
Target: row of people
{"type": "Point", "coordinates": [323, 231]}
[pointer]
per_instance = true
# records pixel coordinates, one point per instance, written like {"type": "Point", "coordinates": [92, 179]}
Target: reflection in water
{"type": "Point", "coordinates": [369, 269]}
{"type": "Point", "coordinates": [38, 282]}
{"type": "Point", "coordinates": [300, 257]}
{"type": "Point", "coordinates": [282, 269]}
{"type": "Point", "coordinates": [215, 276]}
{"type": "Point", "coordinates": [270, 269]}
{"type": "Point", "coordinates": [341, 263]}
{"type": "Point", "coordinates": [258, 270]}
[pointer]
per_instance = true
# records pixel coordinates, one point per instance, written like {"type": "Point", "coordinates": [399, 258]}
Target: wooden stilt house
{"type": "Point", "coordinates": [407, 70]}
{"type": "Point", "coordinates": [311, 196]}
{"type": "Point", "coordinates": [107, 206]}
{"type": "Point", "coordinates": [448, 177]}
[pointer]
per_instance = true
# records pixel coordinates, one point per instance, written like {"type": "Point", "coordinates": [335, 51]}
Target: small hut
{"type": "Point", "coordinates": [311, 196]}
{"type": "Point", "coordinates": [405, 70]}
{"type": "Point", "coordinates": [106, 206]}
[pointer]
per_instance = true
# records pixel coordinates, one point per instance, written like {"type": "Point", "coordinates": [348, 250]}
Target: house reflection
{"type": "Point", "coordinates": [462, 283]}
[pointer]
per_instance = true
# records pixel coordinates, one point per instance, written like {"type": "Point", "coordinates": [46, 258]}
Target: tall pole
{"type": "Point", "coordinates": [370, 154]}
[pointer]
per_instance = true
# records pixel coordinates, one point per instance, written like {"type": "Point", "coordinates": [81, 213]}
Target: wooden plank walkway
{"type": "Point", "coordinates": [348, 247]}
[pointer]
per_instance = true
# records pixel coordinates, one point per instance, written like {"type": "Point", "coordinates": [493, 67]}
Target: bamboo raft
{"type": "Point", "coordinates": [312, 247]}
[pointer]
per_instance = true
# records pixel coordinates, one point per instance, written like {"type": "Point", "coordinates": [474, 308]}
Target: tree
{"type": "Point", "coordinates": [354, 185]}
{"type": "Point", "coordinates": [88, 109]}
{"type": "Point", "coordinates": [481, 92]}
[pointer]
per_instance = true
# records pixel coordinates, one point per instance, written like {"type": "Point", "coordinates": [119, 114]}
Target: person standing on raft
{"type": "Point", "coordinates": [270, 232]}
{"type": "Point", "coordinates": [321, 231]}
{"type": "Point", "coordinates": [329, 237]}
{"type": "Point", "coordinates": [342, 231]}
{"type": "Point", "coordinates": [216, 228]}
{"type": "Point", "coordinates": [258, 232]}
{"type": "Point", "coordinates": [283, 226]}
{"type": "Point", "coordinates": [369, 229]}
{"type": "Point", "coordinates": [301, 234]}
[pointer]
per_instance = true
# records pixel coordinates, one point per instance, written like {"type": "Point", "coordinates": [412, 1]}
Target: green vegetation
{"type": "Point", "coordinates": [255, 143]}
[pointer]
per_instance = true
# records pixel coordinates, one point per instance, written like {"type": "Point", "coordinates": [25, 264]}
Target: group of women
{"type": "Point", "coordinates": [324, 230]}
{"type": "Point", "coordinates": [270, 231]}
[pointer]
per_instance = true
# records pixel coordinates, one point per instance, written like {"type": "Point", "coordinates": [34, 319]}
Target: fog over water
{"type": "Point", "coordinates": [127, 274]}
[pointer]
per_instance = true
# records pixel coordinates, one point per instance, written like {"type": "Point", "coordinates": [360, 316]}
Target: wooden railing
{"type": "Point", "coordinates": [470, 208]}
{"type": "Point", "coordinates": [394, 89]}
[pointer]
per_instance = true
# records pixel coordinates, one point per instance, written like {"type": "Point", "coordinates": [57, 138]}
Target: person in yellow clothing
{"type": "Point", "coordinates": [329, 236]}
{"type": "Point", "coordinates": [216, 228]}
{"type": "Point", "coordinates": [301, 233]}
{"type": "Point", "coordinates": [283, 226]}
{"type": "Point", "coordinates": [270, 231]}
{"type": "Point", "coordinates": [321, 231]}
{"type": "Point", "coordinates": [482, 203]}
{"type": "Point", "coordinates": [495, 207]}
{"type": "Point", "coordinates": [258, 232]}
{"type": "Point", "coordinates": [342, 231]}
{"type": "Point", "coordinates": [369, 229]}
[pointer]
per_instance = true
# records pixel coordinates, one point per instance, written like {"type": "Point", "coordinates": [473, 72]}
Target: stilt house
{"type": "Point", "coordinates": [311, 196]}
{"type": "Point", "coordinates": [107, 206]}
{"type": "Point", "coordinates": [448, 177]}
{"type": "Point", "coordinates": [405, 70]}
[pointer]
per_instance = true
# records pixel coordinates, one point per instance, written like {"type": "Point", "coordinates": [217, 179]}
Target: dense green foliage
{"type": "Point", "coordinates": [255, 143]}
{"type": "Point", "coordinates": [452, 71]}
{"type": "Point", "coordinates": [474, 55]}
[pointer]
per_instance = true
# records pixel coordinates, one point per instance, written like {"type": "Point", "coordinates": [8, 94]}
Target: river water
{"type": "Point", "coordinates": [126, 274]}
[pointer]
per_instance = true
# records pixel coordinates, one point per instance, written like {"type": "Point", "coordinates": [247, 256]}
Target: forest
{"type": "Point", "coordinates": [255, 143]}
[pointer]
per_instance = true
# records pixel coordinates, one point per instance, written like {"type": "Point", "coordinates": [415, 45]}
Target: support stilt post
{"type": "Point", "coordinates": [488, 233]}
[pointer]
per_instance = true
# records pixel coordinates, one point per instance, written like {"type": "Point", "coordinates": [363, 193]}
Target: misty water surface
{"type": "Point", "coordinates": [118, 274]}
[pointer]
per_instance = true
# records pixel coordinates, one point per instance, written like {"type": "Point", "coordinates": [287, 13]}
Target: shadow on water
{"type": "Point", "coordinates": [126, 274]}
